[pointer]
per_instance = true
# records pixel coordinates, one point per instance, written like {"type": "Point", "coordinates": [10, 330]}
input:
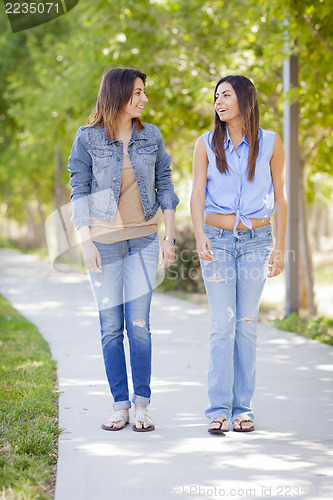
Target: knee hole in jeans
{"type": "Point", "coordinates": [139, 322]}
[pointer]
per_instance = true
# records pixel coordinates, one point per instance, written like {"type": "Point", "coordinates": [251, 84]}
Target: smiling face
{"type": "Point", "coordinates": [135, 105]}
{"type": "Point", "coordinates": [226, 103]}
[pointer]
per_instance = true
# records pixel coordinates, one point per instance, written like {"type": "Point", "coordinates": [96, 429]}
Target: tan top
{"type": "Point", "coordinates": [129, 222]}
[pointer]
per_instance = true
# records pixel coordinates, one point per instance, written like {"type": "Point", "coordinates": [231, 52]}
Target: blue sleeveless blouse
{"type": "Point", "coordinates": [233, 193]}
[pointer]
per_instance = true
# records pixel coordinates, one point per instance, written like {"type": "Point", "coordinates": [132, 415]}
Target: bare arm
{"type": "Point", "coordinates": [278, 166]}
{"type": "Point", "coordinates": [200, 164]}
{"type": "Point", "coordinates": [167, 250]}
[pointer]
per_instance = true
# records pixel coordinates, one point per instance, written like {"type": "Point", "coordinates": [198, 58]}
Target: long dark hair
{"type": "Point", "coordinates": [249, 112]}
{"type": "Point", "coordinates": [115, 91]}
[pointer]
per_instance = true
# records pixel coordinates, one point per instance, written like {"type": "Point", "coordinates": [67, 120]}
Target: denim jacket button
{"type": "Point", "coordinates": [112, 198]}
{"type": "Point", "coordinates": [117, 143]}
{"type": "Point", "coordinates": [118, 159]}
{"type": "Point", "coordinates": [114, 179]}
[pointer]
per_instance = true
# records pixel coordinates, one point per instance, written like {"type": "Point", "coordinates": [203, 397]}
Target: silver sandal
{"type": "Point", "coordinates": [142, 417]}
{"type": "Point", "coordinates": [116, 417]}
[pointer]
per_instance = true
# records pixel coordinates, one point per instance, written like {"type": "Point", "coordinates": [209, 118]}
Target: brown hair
{"type": "Point", "coordinates": [249, 112]}
{"type": "Point", "coordinates": [114, 93]}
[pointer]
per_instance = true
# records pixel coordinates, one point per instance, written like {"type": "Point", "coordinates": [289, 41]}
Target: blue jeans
{"type": "Point", "coordinates": [123, 293]}
{"type": "Point", "coordinates": [234, 284]}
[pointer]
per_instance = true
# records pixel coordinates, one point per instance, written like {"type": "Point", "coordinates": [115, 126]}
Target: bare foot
{"type": "Point", "coordinates": [243, 424]}
{"type": "Point", "coordinates": [216, 424]}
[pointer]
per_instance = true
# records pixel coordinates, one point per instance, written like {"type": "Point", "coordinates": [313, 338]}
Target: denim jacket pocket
{"type": "Point", "coordinates": [101, 158]}
{"type": "Point", "coordinates": [148, 153]}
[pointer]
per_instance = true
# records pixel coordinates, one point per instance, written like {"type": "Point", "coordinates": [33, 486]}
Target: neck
{"type": "Point", "coordinates": [124, 126]}
{"type": "Point", "coordinates": [236, 131]}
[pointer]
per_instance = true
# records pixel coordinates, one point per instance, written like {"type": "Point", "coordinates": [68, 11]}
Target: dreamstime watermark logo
{"type": "Point", "coordinates": [24, 14]}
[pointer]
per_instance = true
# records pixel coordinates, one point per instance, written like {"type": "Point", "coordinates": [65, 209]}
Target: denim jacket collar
{"type": "Point", "coordinates": [136, 135]}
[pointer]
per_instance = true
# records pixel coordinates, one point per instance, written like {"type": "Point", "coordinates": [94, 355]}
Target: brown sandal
{"type": "Point", "coordinates": [240, 422]}
{"type": "Point", "coordinates": [218, 430]}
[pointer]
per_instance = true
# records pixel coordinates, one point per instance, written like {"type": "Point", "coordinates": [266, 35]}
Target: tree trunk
{"type": "Point", "coordinates": [306, 278]}
{"type": "Point", "coordinates": [30, 238]}
{"type": "Point", "coordinates": [41, 225]}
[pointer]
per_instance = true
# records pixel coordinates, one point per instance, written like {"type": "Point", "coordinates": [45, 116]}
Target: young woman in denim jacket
{"type": "Point", "coordinates": [238, 179]}
{"type": "Point", "coordinates": [120, 176]}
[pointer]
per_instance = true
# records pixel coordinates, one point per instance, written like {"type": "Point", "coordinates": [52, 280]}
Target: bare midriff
{"type": "Point", "coordinates": [227, 221]}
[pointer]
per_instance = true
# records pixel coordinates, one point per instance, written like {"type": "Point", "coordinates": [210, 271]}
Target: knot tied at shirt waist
{"type": "Point", "coordinates": [244, 220]}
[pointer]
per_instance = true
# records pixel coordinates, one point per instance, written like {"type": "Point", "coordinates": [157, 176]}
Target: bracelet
{"type": "Point", "coordinates": [173, 241]}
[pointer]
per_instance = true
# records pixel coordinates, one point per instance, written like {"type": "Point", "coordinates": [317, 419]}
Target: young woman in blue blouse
{"type": "Point", "coordinates": [238, 181]}
{"type": "Point", "coordinates": [120, 175]}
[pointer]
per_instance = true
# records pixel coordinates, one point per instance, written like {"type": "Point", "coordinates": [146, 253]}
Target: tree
{"type": "Point", "coordinates": [51, 76]}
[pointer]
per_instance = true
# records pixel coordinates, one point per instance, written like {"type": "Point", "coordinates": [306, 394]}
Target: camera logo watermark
{"type": "Point", "coordinates": [24, 14]}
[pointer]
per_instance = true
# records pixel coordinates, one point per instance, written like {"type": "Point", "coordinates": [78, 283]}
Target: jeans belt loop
{"type": "Point", "coordinates": [252, 234]}
{"type": "Point", "coordinates": [222, 233]}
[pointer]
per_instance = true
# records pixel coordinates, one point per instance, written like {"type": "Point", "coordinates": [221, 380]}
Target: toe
{"type": "Point", "coordinates": [108, 425]}
{"type": "Point", "coordinates": [148, 422]}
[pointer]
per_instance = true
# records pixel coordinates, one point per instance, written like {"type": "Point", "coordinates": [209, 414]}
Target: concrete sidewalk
{"type": "Point", "coordinates": [289, 455]}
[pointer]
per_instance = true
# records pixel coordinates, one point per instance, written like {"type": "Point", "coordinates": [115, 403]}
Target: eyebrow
{"type": "Point", "coordinates": [224, 91]}
{"type": "Point", "coordinates": [138, 88]}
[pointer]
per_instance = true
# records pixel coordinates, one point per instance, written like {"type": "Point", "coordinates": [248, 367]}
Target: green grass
{"type": "Point", "coordinates": [41, 253]}
{"type": "Point", "coordinates": [4, 243]}
{"type": "Point", "coordinates": [315, 328]}
{"type": "Point", "coordinates": [28, 409]}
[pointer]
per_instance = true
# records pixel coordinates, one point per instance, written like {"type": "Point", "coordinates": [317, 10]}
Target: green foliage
{"type": "Point", "coordinates": [315, 328]}
{"type": "Point", "coordinates": [28, 413]}
{"type": "Point", "coordinates": [4, 243]}
{"type": "Point", "coordinates": [50, 77]}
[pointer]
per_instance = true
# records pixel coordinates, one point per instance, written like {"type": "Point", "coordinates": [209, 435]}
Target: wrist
{"type": "Point", "coordinates": [169, 238]}
{"type": "Point", "coordinates": [279, 248]}
{"type": "Point", "coordinates": [86, 242]}
{"type": "Point", "coordinates": [199, 234]}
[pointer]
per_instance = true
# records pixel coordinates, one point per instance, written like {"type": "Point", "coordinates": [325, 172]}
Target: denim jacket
{"type": "Point", "coordinates": [95, 166]}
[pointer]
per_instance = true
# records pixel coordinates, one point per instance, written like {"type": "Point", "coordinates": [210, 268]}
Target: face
{"type": "Point", "coordinates": [226, 104]}
{"type": "Point", "coordinates": [135, 105]}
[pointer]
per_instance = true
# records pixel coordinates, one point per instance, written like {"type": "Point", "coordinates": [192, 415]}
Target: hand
{"type": "Point", "coordinates": [167, 254]}
{"type": "Point", "coordinates": [92, 258]}
{"type": "Point", "coordinates": [204, 248]}
{"type": "Point", "coordinates": [276, 263]}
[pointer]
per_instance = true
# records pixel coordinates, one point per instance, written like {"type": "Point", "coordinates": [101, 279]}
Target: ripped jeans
{"type": "Point", "coordinates": [234, 284]}
{"type": "Point", "coordinates": [123, 293]}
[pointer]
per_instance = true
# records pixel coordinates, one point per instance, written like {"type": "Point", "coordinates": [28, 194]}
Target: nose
{"type": "Point", "coordinates": [218, 101]}
{"type": "Point", "coordinates": [145, 98]}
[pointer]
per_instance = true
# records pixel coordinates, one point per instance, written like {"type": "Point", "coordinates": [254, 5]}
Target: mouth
{"type": "Point", "coordinates": [221, 110]}
{"type": "Point", "coordinates": [141, 107]}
